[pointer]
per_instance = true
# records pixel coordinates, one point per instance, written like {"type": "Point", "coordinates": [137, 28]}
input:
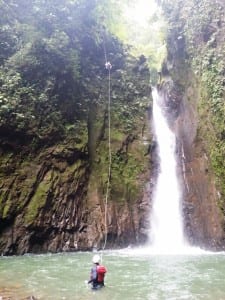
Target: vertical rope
{"type": "Point", "coordinates": [104, 48]}
{"type": "Point", "coordinates": [108, 66]}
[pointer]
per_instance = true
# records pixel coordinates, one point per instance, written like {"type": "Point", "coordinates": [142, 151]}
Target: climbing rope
{"type": "Point", "coordinates": [108, 67]}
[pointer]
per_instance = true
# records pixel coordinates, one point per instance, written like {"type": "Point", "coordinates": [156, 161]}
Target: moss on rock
{"type": "Point", "coordinates": [39, 198]}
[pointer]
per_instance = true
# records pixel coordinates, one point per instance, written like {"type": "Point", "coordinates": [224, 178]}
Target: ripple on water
{"type": "Point", "coordinates": [133, 274]}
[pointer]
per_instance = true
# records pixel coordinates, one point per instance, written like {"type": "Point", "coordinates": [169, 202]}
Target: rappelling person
{"type": "Point", "coordinates": [108, 65]}
{"type": "Point", "coordinates": [97, 273]}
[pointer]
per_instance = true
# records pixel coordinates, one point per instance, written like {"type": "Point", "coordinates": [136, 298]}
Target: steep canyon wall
{"type": "Point", "coordinates": [193, 78]}
{"type": "Point", "coordinates": [54, 131]}
{"type": "Point", "coordinates": [53, 197]}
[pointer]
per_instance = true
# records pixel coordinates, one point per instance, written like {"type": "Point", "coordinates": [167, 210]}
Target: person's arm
{"type": "Point", "coordinates": [93, 275]}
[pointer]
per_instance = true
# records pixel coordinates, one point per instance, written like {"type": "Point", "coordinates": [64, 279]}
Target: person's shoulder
{"type": "Point", "coordinates": [101, 269]}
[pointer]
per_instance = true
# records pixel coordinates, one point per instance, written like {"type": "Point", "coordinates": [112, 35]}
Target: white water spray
{"type": "Point", "coordinates": [166, 233]}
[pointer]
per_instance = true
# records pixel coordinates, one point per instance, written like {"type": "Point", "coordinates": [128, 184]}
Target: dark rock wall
{"type": "Point", "coordinates": [52, 198]}
{"type": "Point", "coordinates": [202, 216]}
{"type": "Point", "coordinates": [193, 88]}
{"type": "Point", "coordinates": [203, 219]}
{"type": "Point", "coordinates": [54, 130]}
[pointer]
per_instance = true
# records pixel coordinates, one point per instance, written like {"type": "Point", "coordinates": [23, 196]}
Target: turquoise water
{"type": "Point", "coordinates": [131, 275]}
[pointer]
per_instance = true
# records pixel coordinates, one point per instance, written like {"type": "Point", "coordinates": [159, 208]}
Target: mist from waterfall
{"type": "Point", "coordinates": [166, 229]}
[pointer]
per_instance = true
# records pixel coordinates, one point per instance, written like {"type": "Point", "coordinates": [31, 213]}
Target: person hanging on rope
{"type": "Point", "coordinates": [97, 273]}
{"type": "Point", "coordinates": [108, 65]}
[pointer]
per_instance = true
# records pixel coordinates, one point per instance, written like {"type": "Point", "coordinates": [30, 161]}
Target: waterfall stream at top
{"type": "Point", "coordinates": [166, 229]}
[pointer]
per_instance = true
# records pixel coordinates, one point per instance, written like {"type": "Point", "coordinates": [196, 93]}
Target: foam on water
{"type": "Point", "coordinates": [152, 251]}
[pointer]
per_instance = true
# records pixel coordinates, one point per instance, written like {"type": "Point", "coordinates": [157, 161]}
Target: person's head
{"type": "Point", "coordinates": [96, 259]}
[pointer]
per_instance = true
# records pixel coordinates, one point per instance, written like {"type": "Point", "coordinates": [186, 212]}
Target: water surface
{"type": "Point", "coordinates": [131, 275]}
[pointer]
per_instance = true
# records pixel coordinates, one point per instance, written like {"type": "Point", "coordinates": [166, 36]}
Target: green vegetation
{"type": "Point", "coordinates": [208, 63]}
{"type": "Point", "coordinates": [53, 103]}
{"type": "Point", "coordinates": [196, 33]}
{"type": "Point", "coordinates": [38, 200]}
{"type": "Point", "coordinates": [145, 31]}
{"type": "Point", "coordinates": [128, 117]}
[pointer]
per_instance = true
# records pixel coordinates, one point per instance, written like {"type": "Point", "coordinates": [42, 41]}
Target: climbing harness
{"type": "Point", "coordinates": [108, 67]}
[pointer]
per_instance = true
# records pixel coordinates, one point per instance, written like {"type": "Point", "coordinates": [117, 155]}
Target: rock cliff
{"type": "Point", "coordinates": [54, 117]}
{"type": "Point", "coordinates": [53, 198]}
{"type": "Point", "coordinates": [193, 83]}
{"type": "Point", "coordinates": [54, 132]}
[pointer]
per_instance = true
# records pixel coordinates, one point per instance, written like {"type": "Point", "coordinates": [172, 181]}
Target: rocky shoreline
{"type": "Point", "coordinates": [12, 293]}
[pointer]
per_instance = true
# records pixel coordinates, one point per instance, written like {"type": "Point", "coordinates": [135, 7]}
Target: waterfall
{"type": "Point", "coordinates": [166, 229]}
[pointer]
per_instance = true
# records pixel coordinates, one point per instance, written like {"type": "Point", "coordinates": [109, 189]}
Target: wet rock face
{"type": "Point", "coordinates": [42, 200]}
{"type": "Point", "coordinates": [52, 197]}
{"type": "Point", "coordinates": [195, 45]}
{"type": "Point", "coordinates": [203, 220]}
{"type": "Point", "coordinates": [55, 209]}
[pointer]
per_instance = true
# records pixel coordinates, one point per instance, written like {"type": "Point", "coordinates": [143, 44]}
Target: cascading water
{"type": "Point", "coordinates": [166, 232]}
